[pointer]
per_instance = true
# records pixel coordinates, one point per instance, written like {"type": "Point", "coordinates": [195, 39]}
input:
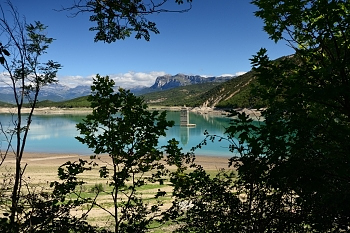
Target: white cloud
{"type": "Point", "coordinates": [236, 74]}
{"type": "Point", "coordinates": [240, 73]}
{"type": "Point", "coordinates": [136, 79]}
{"type": "Point", "coordinates": [225, 75]}
{"type": "Point", "coordinates": [125, 80]}
{"type": "Point", "coordinates": [73, 81]}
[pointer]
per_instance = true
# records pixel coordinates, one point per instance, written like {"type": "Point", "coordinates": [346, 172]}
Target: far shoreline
{"type": "Point", "coordinates": [253, 113]}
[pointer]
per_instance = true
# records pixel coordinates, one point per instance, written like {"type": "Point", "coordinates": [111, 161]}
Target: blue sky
{"type": "Point", "coordinates": [215, 37]}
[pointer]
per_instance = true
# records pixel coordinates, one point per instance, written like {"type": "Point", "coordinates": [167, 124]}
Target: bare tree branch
{"type": "Point", "coordinates": [116, 19]}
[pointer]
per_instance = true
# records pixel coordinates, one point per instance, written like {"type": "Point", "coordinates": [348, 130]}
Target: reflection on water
{"type": "Point", "coordinates": [56, 133]}
{"type": "Point", "coordinates": [192, 136]}
{"type": "Point", "coordinates": [185, 135]}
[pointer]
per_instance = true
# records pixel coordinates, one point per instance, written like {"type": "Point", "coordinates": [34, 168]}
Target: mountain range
{"type": "Point", "coordinates": [53, 92]}
{"type": "Point", "coordinates": [233, 93]}
{"type": "Point", "coordinates": [59, 92]}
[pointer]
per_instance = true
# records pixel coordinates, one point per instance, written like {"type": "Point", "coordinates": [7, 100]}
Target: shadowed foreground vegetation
{"type": "Point", "coordinates": [43, 170]}
{"type": "Point", "coordinates": [288, 174]}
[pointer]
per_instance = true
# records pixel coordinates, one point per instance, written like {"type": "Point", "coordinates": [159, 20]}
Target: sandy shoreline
{"type": "Point", "coordinates": [49, 110]}
{"type": "Point", "coordinates": [41, 169]}
{"type": "Point", "coordinates": [57, 159]}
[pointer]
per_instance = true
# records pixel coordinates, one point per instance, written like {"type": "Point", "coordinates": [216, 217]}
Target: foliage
{"type": "Point", "coordinates": [201, 203]}
{"type": "Point", "coordinates": [97, 188]}
{"type": "Point", "coordinates": [21, 50]}
{"type": "Point", "coordinates": [292, 169]}
{"type": "Point", "coordinates": [307, 121]}
{"type": "Point", "coordinates": [121, 127]}
{"type": "Point", "coordinates": [116, 20]}
{"type": "Point", "coordinates": [24, 207]}
{"type": "Point", "coordinates": [43, 210]}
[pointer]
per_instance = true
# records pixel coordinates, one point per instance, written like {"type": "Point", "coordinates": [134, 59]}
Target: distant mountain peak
{"type": "Point", "coordinates": [61, 92]}
{"type": "Point", "coordinates": [171, 81]}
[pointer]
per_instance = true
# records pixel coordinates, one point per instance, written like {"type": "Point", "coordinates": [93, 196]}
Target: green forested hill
{"type": "Point", "coordinates": [186, 95]}
{"type": "Point", "coordinates": [234, 93]}
{"type": "Point", "coordinates": [4, 104]}
{"type": "Point", "coordinates": [80, 102]}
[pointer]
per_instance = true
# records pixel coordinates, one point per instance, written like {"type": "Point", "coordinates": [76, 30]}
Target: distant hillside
{"type": "Point", "coordinates": [205, 92]}
{"type": "Point", "coordinates": [234, 93]}
{"type": "Point", "coordinates": [60, 92]}
{"type": "Point", "coordinates": [5, 105]}
{"type": "Point", "coordinates": [186, 95]}
{"type": "Point", "coordinates": [80, 102]}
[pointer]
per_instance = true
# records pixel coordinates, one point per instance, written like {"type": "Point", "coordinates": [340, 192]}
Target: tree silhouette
{"type": "Point", "coordinates": [122, 127]}
{"type": "Point", "coordinates": [116, 19]}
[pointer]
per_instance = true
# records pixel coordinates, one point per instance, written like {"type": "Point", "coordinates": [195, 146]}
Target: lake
{"type": "Point", "coordinates": [56, 133]}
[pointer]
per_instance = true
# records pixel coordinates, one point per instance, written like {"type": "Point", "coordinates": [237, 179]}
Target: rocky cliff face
{"type": "Point", "coordinates": [168, 81]}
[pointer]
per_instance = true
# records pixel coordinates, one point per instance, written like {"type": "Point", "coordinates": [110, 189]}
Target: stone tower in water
{"type": "Point", "coordinates": [185, 118]}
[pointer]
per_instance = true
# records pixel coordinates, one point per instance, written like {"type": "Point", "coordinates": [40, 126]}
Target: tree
{"type": "Point", "coordinates": [293, 173]}
{"type": "Point", "coordinates": [27, 210]}
{"type": "Point", "coordinates": [122, 127]}
{"type": "Point", "coordinates": [303, 147]}
{"type": "Point", "coordinates": [201, 203]}
{"type": "Point", "coordinates": [307, 121]}
{"type": "Point", "coordinates": [119, 19]}
{"type": "Point", "coordinates": [228, 202]}
{"type": "Point", "coordinates": [20, 52]}
{"type": "Point", "coordinates": [51, 211]}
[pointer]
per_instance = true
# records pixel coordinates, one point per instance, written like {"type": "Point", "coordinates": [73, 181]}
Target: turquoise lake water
{"type": "Point", "coordinates": [56, 134]}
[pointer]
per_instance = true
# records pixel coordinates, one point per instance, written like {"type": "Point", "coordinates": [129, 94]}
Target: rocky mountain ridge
{"type": "Point", "coordinates": [168, 81]}
{"type": "Point", "coordinates": [60, 92]}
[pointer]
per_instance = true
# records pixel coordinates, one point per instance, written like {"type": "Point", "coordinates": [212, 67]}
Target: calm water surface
{"type": "Point", "coordinates": [56, 133]}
